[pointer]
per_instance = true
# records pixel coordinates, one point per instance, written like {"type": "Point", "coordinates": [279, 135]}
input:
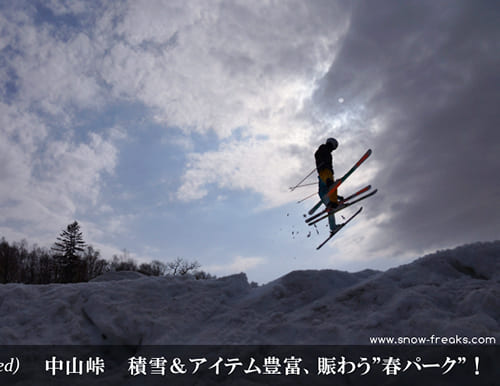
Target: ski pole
{"type": "Point", "coordinates": [301, 181]}
{"type": "Point", "coordinates": [304, 185]}
{"type": "Point", "coordinates": [298, 202]}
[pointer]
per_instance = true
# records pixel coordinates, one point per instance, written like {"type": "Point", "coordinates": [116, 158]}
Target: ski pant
{"type": "Point", "coordinates": [323, 195]}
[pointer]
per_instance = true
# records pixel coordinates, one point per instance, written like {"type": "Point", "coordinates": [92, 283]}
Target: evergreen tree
{"type": "Point", "coordinates": [68, 249]}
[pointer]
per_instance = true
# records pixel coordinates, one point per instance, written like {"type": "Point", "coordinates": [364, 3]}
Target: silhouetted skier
{"type": "Point", "coordinates": [324, 166]}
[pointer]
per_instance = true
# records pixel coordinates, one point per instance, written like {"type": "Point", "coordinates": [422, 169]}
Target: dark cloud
{"type": "Point", "coordinates": [427, 72]}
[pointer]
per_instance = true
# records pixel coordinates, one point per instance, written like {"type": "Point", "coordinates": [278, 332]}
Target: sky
{"type": "Point", "coordinates": [175, 129]}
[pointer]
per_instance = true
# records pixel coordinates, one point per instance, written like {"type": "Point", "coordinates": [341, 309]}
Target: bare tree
{"type": "Point", "coordinates": [9, 265]}
{"type": "Point", "coordinates": [123, 262]}
{"type": "Point", "coordinates": [155, 268]}
{"type": "Point", "coordinates": [181, 267]}
{"type": "Point", "coordinates": [93, 264]}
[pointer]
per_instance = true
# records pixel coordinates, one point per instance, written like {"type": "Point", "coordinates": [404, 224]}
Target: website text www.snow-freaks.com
{"type": "Point", "coordinates": [433, 339]}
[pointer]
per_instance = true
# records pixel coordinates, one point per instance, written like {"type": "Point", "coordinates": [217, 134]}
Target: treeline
{"type": "Point", "coordinates": [70, 260]}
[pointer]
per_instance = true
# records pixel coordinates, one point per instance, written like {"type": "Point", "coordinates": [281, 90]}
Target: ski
{"type": "Point", "coordinates": [324, 213]}
{"type": "Point", "coordinates": [365, 189]}
{"type": "Point", "coordinates": [315, 207]}
{"type": "Point", "coordinates": [340, 207]}
{"type": "Point", "coordinates": [339, 227]}
{"type": "Point", "coordinates": [338, 182]}
{"type": "Point", "coordinates": [345, 176]}
{"type": "Point", "coordinates": [362, 198]}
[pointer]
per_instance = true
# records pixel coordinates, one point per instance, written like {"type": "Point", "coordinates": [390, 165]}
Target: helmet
{"type": "Point", "coordinates": [332, 142]}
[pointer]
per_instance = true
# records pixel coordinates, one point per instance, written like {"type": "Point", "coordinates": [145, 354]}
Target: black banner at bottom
{"type": "Point", "coordinates": [249, 365]}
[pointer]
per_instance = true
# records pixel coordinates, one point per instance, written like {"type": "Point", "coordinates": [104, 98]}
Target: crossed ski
{"type": "Point", "coordinates": [342, 202]}
{"type": "Point", "coordinates": [342, 205]}
{"type": "Point", "coordinates": [338, 182]}
{"type": "Point", "coordinates": [346, 202]}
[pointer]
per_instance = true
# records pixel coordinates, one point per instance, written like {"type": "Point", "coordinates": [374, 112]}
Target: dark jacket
{"type": "Point", "coordinates": [323, 158]}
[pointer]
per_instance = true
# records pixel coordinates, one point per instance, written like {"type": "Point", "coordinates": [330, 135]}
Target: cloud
{"type": "Point", "coordinates": [225, 68]}
{"type": "Point", "coordinates": [61, 7]}
{"type": "Point", "coordinates": [44, 184]}
{"type": "Point", "coordinates": [221, 65]}
{"type": "Point", "coordinates": [76, 168]}
{"type": "Point", "coordinates": [53, 73]}
{"type": "Point", "coordinates": [51, 167]}
{"type": "Point", "coordinates": [249, 165]}
{"type": "Point", "coordinates": [218, 67]}
{"type": "Point", "coordinates": [425, 74]}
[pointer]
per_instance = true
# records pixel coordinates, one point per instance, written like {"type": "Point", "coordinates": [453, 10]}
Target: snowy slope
{"type": "Point", "coordinates": [447, 293]}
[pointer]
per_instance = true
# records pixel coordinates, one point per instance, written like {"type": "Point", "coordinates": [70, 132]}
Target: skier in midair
{"type": "Point", "coordinates": [324, 166]}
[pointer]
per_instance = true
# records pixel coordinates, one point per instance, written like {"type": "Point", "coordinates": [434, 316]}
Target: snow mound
{"type": "Point", "coordinates": [448, 293]}
{"type": "Point", "coordinates": [120, 275]}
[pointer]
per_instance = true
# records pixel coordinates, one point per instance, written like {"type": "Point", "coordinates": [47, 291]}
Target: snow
{"type": "Point", "coordinates": [448, 293]}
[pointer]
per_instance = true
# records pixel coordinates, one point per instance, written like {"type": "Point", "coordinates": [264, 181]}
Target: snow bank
{"type": "Point", "coordinates": [454, 292]}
